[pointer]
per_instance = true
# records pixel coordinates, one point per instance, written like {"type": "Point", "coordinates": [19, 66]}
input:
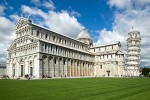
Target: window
{"type": "Point", "coordinates": [94, 50]}
{"type": "Point", "coordinates": [45, 46]}
{"type": "Point", "coordinates": [105, 48]}
{"type": "Point", "coordinates": [59, 40]}
{"type": "Point", "coordinates": [53, 38]}
{"type": "Point", "coordinates": [56, 49]}
{"type": "Point", "coordinates": [64, 62]}
{"type": "Point", "coordinates": [37, 33]}
{"type": "Point", "coordinates": [22, 70]}
{"type": "Point", "coordinates": [107, 56]}
{"type": "Point", "coordinates": [112, 46]}
{"type": "Point", "coordinates": [65, 41]}
{"type": "Point", "coordinates": [51, 47]}
{"type": "Point", "coordinates": [55, 61]}
{"type": "Point", "coordinates": [46, 36]}
{"type": "Point", "coordinates": [99, 49]}
{"type": "Point", "coordinates": [100, 66]}
{"type": "Point", "coordinates": [31, 71]}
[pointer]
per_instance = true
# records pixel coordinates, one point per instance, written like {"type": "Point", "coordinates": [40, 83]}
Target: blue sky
{"type": "Point", "coordinates": [93, 15]}
{"type": "Point", "coordinates": [107, 21]}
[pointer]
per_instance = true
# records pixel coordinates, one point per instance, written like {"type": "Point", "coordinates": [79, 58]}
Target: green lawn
{"type": "Point", "coordinates": [76, 89]}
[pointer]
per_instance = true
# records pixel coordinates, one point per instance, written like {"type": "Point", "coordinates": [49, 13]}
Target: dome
{"type": "Point", "coordinates": [84, 35]}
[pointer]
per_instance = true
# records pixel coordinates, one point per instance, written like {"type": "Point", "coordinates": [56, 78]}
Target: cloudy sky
{"type": "Point", "coordinates": [107, 21]}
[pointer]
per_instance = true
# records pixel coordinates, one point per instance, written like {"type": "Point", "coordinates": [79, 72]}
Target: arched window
{"type": "Point", "coordinates": [37, 33]}
{"type": "Point", "coordinates": [59, 40]}
{"type": "Point", "coordinates": [55, 61]}
{"type": "Point", "coordinates": [100, 66]}
{"type": "Point", "coordinates": [46, 36]}
{"type": "Point", "coordinates": [64, 62]}
{"type": "Point", "coordinates": [45, 46]}
{"type": "Point", "coordinates": [53, 38]}
{"type": "Point", "coordinates": [65, 41]}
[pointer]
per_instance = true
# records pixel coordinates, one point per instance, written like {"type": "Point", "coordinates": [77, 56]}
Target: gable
{"type": "Point", "coordinates": [22, 22]}
{"type": "Point", "coordinates": [13, 45]}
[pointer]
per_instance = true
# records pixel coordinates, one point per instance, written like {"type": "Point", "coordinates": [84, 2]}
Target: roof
{"type": "Point", "coordinates": [84, 34]}
{"type": "Point", "coordinates": [109, 52]}
{"type": "Point", "coordinates": [57, 33]}
{"type": "Point", "coordinates": [2, 65]}
{"type": "Point", "coordinates": [29, 21]}
{"type": "Point", "coordinates": [106, 45]}
{"type": "Point", "coordinates": [106, 52]}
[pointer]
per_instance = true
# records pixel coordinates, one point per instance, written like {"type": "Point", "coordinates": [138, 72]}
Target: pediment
{"type": "Point", "coordinates": [13, 45]}
{"type": "Point", "coordinates": [22, 22]}
{"type": "Point", "coordinates": [119, 52]}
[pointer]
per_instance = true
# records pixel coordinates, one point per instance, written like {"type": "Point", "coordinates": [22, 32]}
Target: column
{"type": "Point", "coordinates": [61, 67]}
{"type": "Point", "coordinates": [47, 67]}
{"type": "Point", "coordinates": [81, 68]}
{"type": "Point", "coordinates": [65, 67]}
{"type": "Point", "coordinates": [88, 70]}
{"type": "Point", "coordinates": [75, 68]}
{"type": "Point", "coordinates": [69, 68]}
{"type": "Point", "coordinates": [50, 67]}
{"type": "Point", "coordinates": [57, 67]}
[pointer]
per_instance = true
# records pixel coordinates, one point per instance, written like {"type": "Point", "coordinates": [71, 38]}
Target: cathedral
{"type": "Point", "coordinates": [42, 53]}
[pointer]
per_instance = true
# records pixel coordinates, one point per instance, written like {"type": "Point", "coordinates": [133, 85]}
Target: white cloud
{"type": "Point", "coordinates": [33, 11]}
{"type": "Point", "coordinates": [36, 2]}
{"type": "Point", "coordinates": [6, 36]}
{"type": "Point", "coordinates": [134, 16]}
{"type": "Point", "coordinates": [75, 13]}
{"type": "Point", "coordinates": [45, 3]}
{"type": "Point", "coordinates": [61, 22]}
{"type": "Point", "coordinates": [14, 17]}
{"type": "Point", "coordinates": [49, 4]}
{"type": "Point", "coordinates": [120, 3]}
{"type": "Point", "coordinates": [2, 8]}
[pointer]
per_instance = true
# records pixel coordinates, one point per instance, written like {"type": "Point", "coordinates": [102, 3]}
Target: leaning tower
{"type": "Point", "coordinates": [133, 53]}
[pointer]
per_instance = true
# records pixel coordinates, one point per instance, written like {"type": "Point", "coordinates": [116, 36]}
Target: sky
{"type": "Point", "coordinates": [107, 21]}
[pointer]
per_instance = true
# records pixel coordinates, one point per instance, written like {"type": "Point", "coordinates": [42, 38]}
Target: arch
{"type": "Point", "coordinates": [46, 36]}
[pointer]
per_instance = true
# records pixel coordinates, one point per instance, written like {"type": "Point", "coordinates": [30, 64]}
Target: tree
{"type": "Point", "coordinates": [145, 71]}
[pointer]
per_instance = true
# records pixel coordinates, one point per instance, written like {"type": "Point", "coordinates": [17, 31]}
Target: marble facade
{"type": "Point", "coordinates": [39, 52]}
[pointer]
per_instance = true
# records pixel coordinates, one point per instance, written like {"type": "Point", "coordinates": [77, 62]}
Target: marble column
{"type": "Point", "coordinates": [72, 68]}
{"type": "Point", "coordinates": [61, 67]}
{"type": "Point", "coordinates": [75, 68]}
{"type": "Point", "coordinates": [50, 66]}
{"type": "Point", "coordinates": [65, 67]}
{"type": "Point", "coordinates": [69, 68]}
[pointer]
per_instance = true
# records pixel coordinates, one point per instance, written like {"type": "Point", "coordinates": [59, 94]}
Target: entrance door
{"type": "Point", "coordinates": [22, 70]}
{"type": "Point", "coordinates": [108, 72]}
{"type": "Point", "coordinates": [31, 71]}
{"type": "Point", "coordinates": [13, 72]}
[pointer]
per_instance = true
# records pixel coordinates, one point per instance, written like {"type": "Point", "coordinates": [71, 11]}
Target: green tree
{"type": "Point", "coordinates": [145, 71]}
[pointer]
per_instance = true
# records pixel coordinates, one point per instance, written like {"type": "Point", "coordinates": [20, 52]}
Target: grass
{"type": "Point", "coordinates": [76, 89]}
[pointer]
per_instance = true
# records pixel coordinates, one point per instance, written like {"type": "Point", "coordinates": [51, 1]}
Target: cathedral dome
{"type": "Point", "coordinates": [84, 35]}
